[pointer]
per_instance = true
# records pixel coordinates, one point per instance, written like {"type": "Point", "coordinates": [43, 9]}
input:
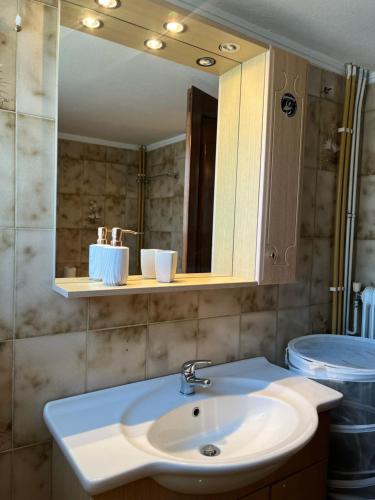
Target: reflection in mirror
{"type": "Point", "coordinates": [125, 117]}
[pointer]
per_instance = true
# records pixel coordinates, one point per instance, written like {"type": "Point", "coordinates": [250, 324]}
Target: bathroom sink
{"type": "Point", "coordinates": [252, 419]}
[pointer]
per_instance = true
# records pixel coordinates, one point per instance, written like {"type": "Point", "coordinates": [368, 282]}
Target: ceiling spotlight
{"type": "Point", "coordinates": [229, 47]}
{"type": "Point", "coordinates": [91, 22]}
{"type": "Point", "coordinates": [174, 27]}
{"type": "Point", "coordinates": [154, 44]}
{"type": "Point", "coordinates": [206, 61]}
{"type": "Point", "coordinates": [109, 4]}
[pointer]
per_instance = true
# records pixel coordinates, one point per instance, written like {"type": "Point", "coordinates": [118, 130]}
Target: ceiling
{"type": "Point", "coordinates": [111, 92]}
{"type": "Point", "coordinates": [342, 30]}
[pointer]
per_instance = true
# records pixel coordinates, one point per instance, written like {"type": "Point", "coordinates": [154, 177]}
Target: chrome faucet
{"type": "Point", "coordinates": [188, 379]}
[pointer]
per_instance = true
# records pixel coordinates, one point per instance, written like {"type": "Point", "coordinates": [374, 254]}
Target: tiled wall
{"type": "Point", "coordinates": [164, 198]}
{"type": "Point", "coordinates": [96, 186]}
{"type": "Point", "coordinates": [52, 347]}
{"type": "Point", "coordinates": [365, 252]}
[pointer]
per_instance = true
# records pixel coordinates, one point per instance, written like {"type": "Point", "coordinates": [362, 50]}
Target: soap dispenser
{"type": "Point", "coordinates": [96, 255]}
{"type": "Point", "coordinates": [116, 259]}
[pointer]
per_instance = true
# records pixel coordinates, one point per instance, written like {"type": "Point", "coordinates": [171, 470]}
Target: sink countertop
{"type": "Point", "coordinates": [87, 427]}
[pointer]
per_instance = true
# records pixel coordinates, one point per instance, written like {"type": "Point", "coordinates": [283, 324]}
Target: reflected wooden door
{"type": "Point", "coordinates": [199, 181]}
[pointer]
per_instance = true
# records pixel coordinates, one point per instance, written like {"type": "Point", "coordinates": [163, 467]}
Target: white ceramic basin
{"type": "Point", "coordinates": [255, 414]}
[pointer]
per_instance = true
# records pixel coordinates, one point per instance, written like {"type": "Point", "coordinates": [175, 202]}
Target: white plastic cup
{"type": "Point", "coordinates": [148, 262]}
{"type": "Point", "coordinates": [165, 265]}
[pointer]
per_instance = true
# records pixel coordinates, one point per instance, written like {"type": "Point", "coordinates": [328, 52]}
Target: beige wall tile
{"type": "Point", "coordinates": [333, 86]}
{"type": "Point", "coordinates": [69, 211]}
{"type": "Point", "coordinates": [32, 473]}
{"type": "Point", "coordinates": [108, 312]}
{"type": "Point", "coordinates": [291, 323]}
{"type": "Point", "coordinates": [219, 302]}
{"type": "Point", "coordinates": [6, 283]}
{"type": "Point", "coordinates": [69, 174]}
{"type": "Point", "coordinates": [314, 81]}
{"type": "Point", "coordinates": [365, 262]}
{"type": "Point", "coordinates": [311, 152]}
{"type": "Point", "coordinates": [259, 298]}
{"type": "Point", "coordinates": [173, 306]}
{"type": "Point", "coordinates": [298, 294]}
{"type": "Point", "coordinates": [36, 60]}
{"type": "Point", "coordinates": [325, 204]}
{"type": "Point", "coordinates": [218, 339]}
{"type": "Point", "coordinates": [366, 213]}
{"type": "Point", "coordinates": [320, 318]}
{"type": "Point", "coordinates": [8, 42]}
{"type": "Point", "coordinates": [321, 271]}
{"type": "Point", "coordinates": [35, 195]}
{"type": "Point", "coordinates": [6, 476]}
{"type": "Point", "coordinates": [39, 310]}
{"type": "Point", "coordinates": [7, 134]}
{"type": "Point", "coordinates": [258, 335]}
{"type": "Point", "coordinates": [329, 138]}
{"type": "Point", "coordinates": [116, 357]}
{"type": "Point", "coordinates": [170, 345]}
{"type": "Point", "coordinates": [368, 144]}
{"type": "Point", "coordinates": [6, 368]}
{"type": "Point", "coordinates": [65, 484]}
{"type": "Point", "coordinates": [46, 368]}
{"type": "Point", "coordinates": [370, 98]}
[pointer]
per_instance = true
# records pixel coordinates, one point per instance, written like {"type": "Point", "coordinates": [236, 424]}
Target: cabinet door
{"type": "Point", "coordinates": [310, 484]}
{"type": "Point", "coordinates": [283, 157]}
{"type": "Point", "coordinates": [263, 494]}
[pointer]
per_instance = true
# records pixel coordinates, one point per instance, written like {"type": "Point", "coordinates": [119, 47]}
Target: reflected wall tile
{"type": "Point", "coordinates": [68, 245]}
{"type": "Point", "coordinates": [71, 150]}
{"type": "Point", "coordinates": [218, 339]}
{"type": "Point", "coordinates": [46, 368]}
{"type": "Point", "coordinates": [115, 211]}
{"type": "Point", "coordinates": [109, 312]}
{"type": "Point", "coordinates": [116, 180]}
{"type": "Point", "coordinates": [365, 262]}
{"type": "Point", "coordinates": [6, 476]}
{"type": "Point", "coordinates": [258, 335]}
{"type": "Point", "coordinates": [94, 177]}
{"type": "Point", "coordinates": [366, 215]}
{"type": "Point", "coordinates": [308, 203]}
{"type": "Point", "coordinates": [291, 323]}
{"type": "Point", "coordinates": [6, 283]}
{"type": "Point", "coordinates": [320, 318]}
{"type": "Point", "coordinates": [7, 129]}
{"type": "Point", "coordinates": [159, 217]}
{"type": "Point", "coordinates": [298, 294]}
{"type": "Point", "coordinates": [93, 211]}
{"type": "Point", "coordinates": [32, 473]}
{"type": "Point", "coordinates": [35, 172]}
{"type": "Point", "coordinates": [370, 98]}
{"type": "Point", "coordinates": [69, 175]}
{"type": "Point", "coordinates": [329, 138]}
{"type": "Point", "coordinates": [321, 271]}
{"type": "Point", "coordinates": [311, 151]}
{"type": "Point", "coordinates": [170, 345]}
{"type": "Point", "coordinates": [6, 366]}
{"type": "Point", "coordinates": [325, 204]}
{"type": "Point", "coordinates": [172, 306]}
{"type": "Point", "coordinates": [116, 357]}
{"type": "Point", "coordinates": [69, 211]}
{"type": "Point", "coordinates": [259, 298]}
{"type": "Point", "coordinates": [314, 81]}
{"type": "Point", "coordinates": [333, 86]}
{"type": "Point", "coordinates": [36, 60]}
{"type": "Point", "coordinates": [39, 310]}
{"type": "Point", "coordinates": [224, 302]}
{"type": "Point", "coordinates": [95, 152]}
{"type": "Point", "coordinates": [161, 240]}
{"type": "Point", "coordinates": [8, 41]}
{"type": "Point", "coordinates": [368, 145]}
{"type": "Point", "coordinates": [131, 213]}
{"type": "Point", "coordinates": [88, 237]}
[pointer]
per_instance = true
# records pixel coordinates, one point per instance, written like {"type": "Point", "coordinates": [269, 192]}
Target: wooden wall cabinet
{"type": "Point", "coordinates": [259, 168]}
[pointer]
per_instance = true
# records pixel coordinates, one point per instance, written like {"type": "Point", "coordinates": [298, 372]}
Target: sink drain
{"type": "Point", "coordinates": [210, 450]}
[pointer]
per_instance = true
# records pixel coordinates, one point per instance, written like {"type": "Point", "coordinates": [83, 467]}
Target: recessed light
{"type": "Point", "coordinates": [174, 27]}
{"type": "Point", "coordinates": [206, 61]}
{"type": "Point", "coordinates": [229, 47]}
{"type": "Point", "coordinates": [108, 4]}
{"type": "Point", "coordinates": [154, 44]}
{"type": "Point", "coordinates": [91, 22]}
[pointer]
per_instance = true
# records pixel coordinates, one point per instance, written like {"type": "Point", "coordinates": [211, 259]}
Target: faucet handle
{"type": "Point", "coordinates": [189, 367]}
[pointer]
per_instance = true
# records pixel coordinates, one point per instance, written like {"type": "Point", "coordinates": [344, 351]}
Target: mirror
{"type": "Point", "coordinates": [125, 120]}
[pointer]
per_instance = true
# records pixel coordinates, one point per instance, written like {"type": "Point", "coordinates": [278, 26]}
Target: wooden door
{"type": "Point", "coordinates": [283, 160]}
{"type": "Point", "coordinates": [199, 181]}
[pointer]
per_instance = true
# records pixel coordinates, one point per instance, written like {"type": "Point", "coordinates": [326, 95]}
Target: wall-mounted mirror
{"type": "Point", "coordinates": [138, 130]}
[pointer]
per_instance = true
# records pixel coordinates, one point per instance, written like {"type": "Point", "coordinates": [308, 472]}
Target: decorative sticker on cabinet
{"type": "Point", "coordinates": [289, 105]}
